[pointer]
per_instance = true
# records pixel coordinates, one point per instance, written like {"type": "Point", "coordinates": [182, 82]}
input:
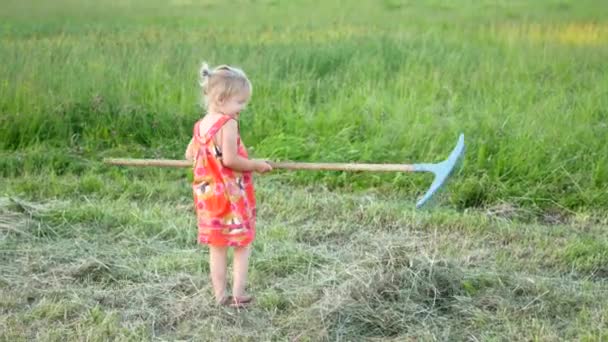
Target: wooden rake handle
{"type": "Point", "coordinates": [275, 165]}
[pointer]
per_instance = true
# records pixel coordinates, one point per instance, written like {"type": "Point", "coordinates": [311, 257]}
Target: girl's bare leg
{"type": "Point", "coordinates": [240, 268]}
{"type": "Point", "coordinates": [217, 265]}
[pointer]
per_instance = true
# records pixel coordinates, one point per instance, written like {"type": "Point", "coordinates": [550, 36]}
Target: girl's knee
{"type": "Point", "coordinates": [242, 248]}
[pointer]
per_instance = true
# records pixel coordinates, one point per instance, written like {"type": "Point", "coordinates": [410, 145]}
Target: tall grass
{"type": "Point", "coordinates": [388, 81]}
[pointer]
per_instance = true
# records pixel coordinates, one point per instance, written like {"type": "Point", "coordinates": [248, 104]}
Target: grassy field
{"type": "Point", "coordinates": [515, 249]}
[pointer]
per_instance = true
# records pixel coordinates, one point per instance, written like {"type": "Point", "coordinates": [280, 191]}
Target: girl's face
{"type": "Point", "coordinates": [235, 104]}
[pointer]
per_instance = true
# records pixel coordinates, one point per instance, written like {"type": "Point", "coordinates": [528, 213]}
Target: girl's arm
{"type": "Point", "coordinates": [230, 156]}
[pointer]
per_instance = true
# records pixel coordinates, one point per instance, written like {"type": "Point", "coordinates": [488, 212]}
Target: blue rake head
{"type": "Point", "coordinates": [441, 170]}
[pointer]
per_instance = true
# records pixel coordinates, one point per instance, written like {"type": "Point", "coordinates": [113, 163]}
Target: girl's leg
{"type": "Point", "coordinates": [240, 268]}
{"type": "Point", "coordinates": [217, 266]}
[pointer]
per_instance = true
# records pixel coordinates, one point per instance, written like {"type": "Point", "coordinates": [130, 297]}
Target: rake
{"type": "Point", "coordinates": [441, 170]}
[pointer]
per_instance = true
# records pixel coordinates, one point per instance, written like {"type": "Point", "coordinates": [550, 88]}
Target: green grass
{"type": "Point", "coordinates": [391, 81]}
{"type": "Point", "coordinates": [514, 250]}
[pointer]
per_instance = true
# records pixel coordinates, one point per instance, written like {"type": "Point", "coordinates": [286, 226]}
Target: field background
{"type": "Point", "coordinates": [515, 248]}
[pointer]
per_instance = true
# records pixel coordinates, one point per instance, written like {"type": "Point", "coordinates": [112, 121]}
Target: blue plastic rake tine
{"type": "Point", "coordinates": [441, 170]}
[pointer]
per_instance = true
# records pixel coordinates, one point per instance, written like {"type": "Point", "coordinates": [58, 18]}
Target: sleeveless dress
{"type": "Point", "coordinates": [224, 199]}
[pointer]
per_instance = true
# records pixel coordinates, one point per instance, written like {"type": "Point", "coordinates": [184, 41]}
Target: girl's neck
{"type": "Point", "coordinates": [215, 112]}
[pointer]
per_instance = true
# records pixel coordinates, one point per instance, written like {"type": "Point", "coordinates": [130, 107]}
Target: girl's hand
{"type": "Point", "coordinates": [190, 150]}
{"type": "Point", "coordinates": [262, 166]}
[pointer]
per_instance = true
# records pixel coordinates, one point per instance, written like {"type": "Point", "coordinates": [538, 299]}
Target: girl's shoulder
{"type": "Point", "coordinates": [204, 124]}
{"type": "Point", "coordinates": [212, 124]}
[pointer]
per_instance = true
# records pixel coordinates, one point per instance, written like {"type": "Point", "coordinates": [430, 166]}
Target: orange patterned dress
{"type": "Point", "coordinates": [224, 199]}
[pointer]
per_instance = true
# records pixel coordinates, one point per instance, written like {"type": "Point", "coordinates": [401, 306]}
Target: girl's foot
{"type": "Point", "coordinates": [240, 302]}
{"type": "Point", "coordinates": [224, 301]}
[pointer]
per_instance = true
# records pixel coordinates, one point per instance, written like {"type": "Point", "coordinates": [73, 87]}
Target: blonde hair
{"type": "Point", "coordinates": [222, 82]}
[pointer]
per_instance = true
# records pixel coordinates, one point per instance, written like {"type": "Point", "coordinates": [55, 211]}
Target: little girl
{"type": "Point", "coordinates": [223, 190]}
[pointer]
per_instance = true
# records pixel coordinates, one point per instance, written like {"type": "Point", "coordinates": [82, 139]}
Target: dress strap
{"type": "Point", "coordinates": [204, 138]}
